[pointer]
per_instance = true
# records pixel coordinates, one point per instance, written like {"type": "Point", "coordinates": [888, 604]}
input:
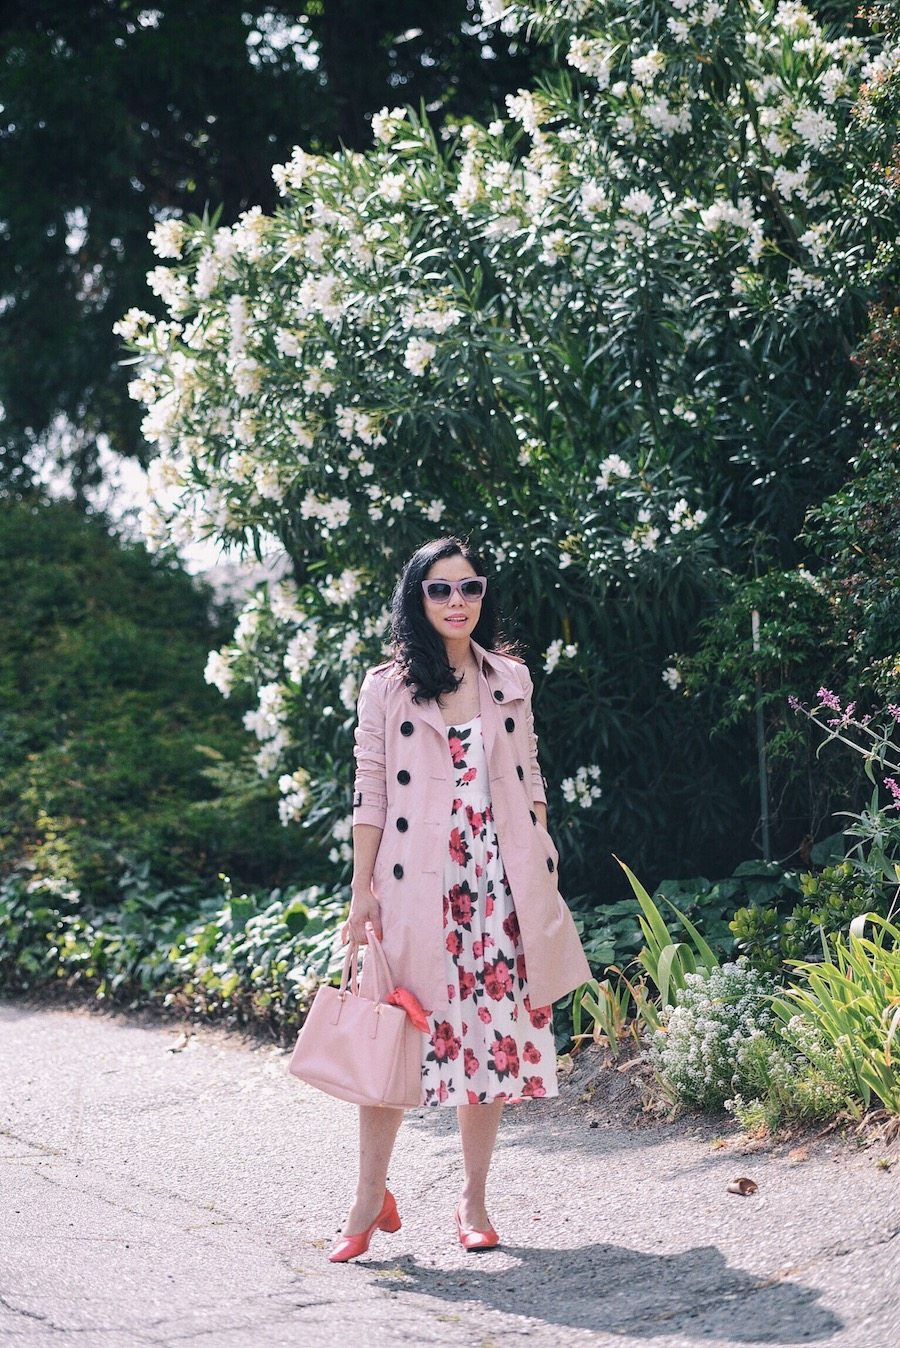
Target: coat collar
{"type": "Point", "coordinates": [496, 676]}
{"type": "Point", "coordinates": [499, 674]}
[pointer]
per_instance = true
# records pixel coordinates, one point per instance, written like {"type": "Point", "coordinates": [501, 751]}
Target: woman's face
{"type": "Point", "coordinates": [458, 617]}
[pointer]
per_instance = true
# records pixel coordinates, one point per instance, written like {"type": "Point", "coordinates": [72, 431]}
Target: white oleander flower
{"type": "Point", "coordinates": [219, 672]}
{"type": "Point", "coordinates": [386, 124]}
{"type": "Point", "coordinates": [644, 69]}
{"type": "Point", "coordinates": [167, 239]}
{"type": "Point", "coordinates": [593, 58]}
{"type": "Point", "coordinates": [133, 324]}
{"type": "Point", "coordinates": [638, 202]}
{"type": "Point", "coordinates": [419, 355]}
{"type": "Point", "coordinates": [612, 466]}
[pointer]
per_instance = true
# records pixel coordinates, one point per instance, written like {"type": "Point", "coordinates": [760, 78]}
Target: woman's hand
{"type": "Point", "coordinates": [363, 908]}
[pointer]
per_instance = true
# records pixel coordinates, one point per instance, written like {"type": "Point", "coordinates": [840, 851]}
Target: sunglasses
{"type": "Point", "coordinates": [469, 589]}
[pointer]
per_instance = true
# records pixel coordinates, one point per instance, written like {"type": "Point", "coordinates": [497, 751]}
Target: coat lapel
{"type": "Point", "coordinates": [495, 678]}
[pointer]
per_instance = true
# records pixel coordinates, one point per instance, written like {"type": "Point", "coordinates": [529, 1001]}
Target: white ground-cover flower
{"type": "Point", "coordinates": [671, 678]}
{"type": "Point", "coordinates": [714, 1016]}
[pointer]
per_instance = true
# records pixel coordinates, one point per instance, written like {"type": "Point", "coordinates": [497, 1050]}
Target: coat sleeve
{"type": "Point", "coordinates": [538, 785]}
{"type": "Point", "coordinates": [370, 786]}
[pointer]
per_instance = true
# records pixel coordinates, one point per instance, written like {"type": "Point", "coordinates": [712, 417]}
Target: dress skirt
{"type": "Point", "coordinates": [491, 1044]}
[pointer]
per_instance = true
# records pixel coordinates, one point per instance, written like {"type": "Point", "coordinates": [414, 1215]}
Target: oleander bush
{"type": "Point", "coordinates": [609, 334]}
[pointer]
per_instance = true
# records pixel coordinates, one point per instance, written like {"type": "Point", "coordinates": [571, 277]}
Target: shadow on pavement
{"type": "Point", "coordinates": [614, 1290]}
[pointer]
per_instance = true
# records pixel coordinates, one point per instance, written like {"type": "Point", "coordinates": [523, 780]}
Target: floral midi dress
{"type": "Point", "coordinates": [491, 1044]}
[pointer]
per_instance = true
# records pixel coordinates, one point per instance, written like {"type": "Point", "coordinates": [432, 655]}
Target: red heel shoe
{"type": "Point", "coordinates": [350, 1247]}
{"type": "Point", "coordinates": [473, 1241]}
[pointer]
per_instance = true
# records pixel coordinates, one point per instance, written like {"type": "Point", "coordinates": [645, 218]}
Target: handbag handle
{"type": "Point", "coordinates": [350, 975]}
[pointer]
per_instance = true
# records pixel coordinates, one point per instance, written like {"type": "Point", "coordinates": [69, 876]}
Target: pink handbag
{"type": "Point", "coordinates": [368, 1052]}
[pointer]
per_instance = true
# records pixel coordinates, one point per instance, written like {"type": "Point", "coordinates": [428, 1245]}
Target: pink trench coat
{"type": "Point", "coordinates": [405, 786]}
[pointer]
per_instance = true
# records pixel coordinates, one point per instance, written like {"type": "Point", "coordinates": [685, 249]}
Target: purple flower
{"type": "Point", "coordinates": [894, 711]}
{"type": "Point", "coordinates": [794, 702]}
{"type": "Point", "coordinates": [829, 700]}
{"type": "Point", "coordinates": [894, 787]}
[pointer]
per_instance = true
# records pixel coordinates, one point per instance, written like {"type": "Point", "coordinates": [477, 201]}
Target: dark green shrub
{"type": "Point", "coordinates": [771, 935]}
{"type": "Point", "coordinates": [112, 746]}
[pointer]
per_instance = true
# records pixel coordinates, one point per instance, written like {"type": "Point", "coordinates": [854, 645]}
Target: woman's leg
{"type": "Point", "coordinates": [378, 1128]}
{"type": "Point", "coordinates": [478, 1126]}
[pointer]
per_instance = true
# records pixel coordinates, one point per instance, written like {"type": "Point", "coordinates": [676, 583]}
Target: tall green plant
{"type": "Point", "coordinates": [853, 1000]}
{"type": "Point", "coordinates": [665, 959]}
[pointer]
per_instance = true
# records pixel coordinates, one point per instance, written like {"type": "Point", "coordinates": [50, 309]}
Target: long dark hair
{"type": "Point", "coordinates": [419, 652]}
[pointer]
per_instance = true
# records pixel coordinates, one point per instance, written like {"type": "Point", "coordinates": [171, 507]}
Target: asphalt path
{"type": "Point", "coordinates": [163, 1190]}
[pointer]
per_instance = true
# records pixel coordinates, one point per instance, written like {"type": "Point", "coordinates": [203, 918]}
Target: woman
{"type": "Point", "coordinates": [447, 776]}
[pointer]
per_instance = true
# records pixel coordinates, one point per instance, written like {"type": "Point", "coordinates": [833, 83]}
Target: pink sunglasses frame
{"type": "Point", "coordinates": [455, 585]}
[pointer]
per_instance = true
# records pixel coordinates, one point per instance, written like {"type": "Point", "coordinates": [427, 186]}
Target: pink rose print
{"type": "Point", "coordinates": [471, 1062]}
{"type": "Point", "coordinates": [511, 927]}
{"type": "Point", "coordinates": [484, 1015]}
{"type": "Point", "coordinates": [457, 806]}
{"type": "Point", "coordinates": [454, 944]}
{"type": "Point", "coordinates": [530, 1053]}
{"type": "Point", "coordinates": [477, 949]}
{"type": "Point", "coordinates": [459, 852]}
{"type": "Point", "coordinates": [469, 775]}
{"type": "Point", "coordinates": [444, 1043]}
{"type": "Point", "coordinates": [451, 992]}
{"type": "Point", "coordinates": [520, 968]}
{"type": "Point", "coordinates": [461, 905]}
{"type": "Point", "coordinates": [476, 820]}
{"type": "Point", "coordinates": [539, 1017]}
{"type": "Point", "coordinates": [456, 750]}
{"type": "Point", "coordinates": [533, 1088]}
{"type": "Point", "coordinates": [466, 983]}
{"type": "Point", "coordinates": [505, 1055]}
{"type": "Point", "coordinates": [446, 909]}
{"type": "Point", "coordinates": [489, 905]}
{"type": "Point", "coordinates": [443, 1094]}
{"type": "Point", "coordinates": [497, 979]}
{"type": "Point", "coordinates": [474, 1099]}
